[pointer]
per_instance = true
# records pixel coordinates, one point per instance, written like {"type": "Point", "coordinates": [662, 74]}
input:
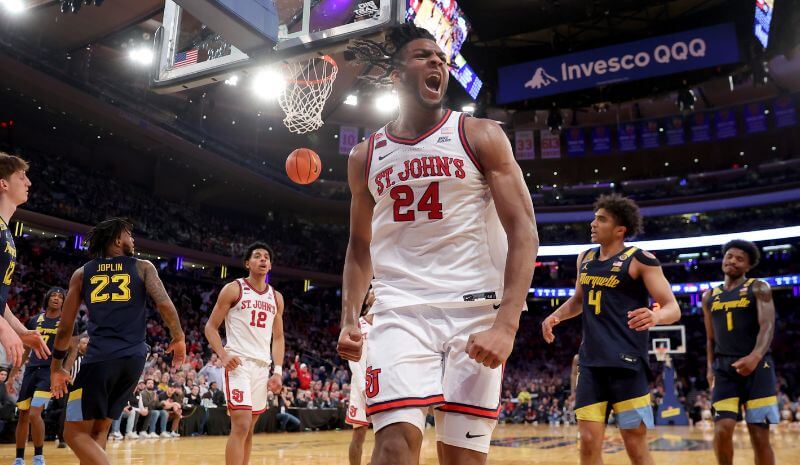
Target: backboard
{"type": "Point", "coordinates": [187, 53]}
{"type": "Point", "coordinates": [673, 337]}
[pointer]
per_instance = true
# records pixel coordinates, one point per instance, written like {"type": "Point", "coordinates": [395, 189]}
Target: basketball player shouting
{"type": "Point", "coordinates": [114, 286]}
{"type": "Point", "coordinates": [438, 204]}
{"type": "Point", "coordinates": [611, 292]}
{"type": "Point", "coordinates": [356, 410]}
{"type": "Point", "coordinates": [253, 314]}
{"type": "Point", "coordinates": [740, 320]}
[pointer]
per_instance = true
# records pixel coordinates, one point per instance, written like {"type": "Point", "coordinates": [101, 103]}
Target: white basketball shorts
{"type": "Point", "coordinates": [246, 386]}
{"type": "Point", "coordinates": [416, 359]}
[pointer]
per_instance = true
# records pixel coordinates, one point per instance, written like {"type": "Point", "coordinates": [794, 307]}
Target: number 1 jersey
{"type": "Point", "coordinates": [248, 325]}
{"type": "Point", "coordinates": [436, 236]}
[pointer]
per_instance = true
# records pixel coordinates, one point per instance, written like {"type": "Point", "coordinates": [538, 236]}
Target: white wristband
{"type": "Point", "coordinates": [277, 370]}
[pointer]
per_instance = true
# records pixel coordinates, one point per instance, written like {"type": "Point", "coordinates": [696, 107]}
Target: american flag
{"type": "Point", "coordinates": [185, 58]}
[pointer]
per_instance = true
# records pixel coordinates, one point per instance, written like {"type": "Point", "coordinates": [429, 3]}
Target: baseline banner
{"type": "Point", "coordinates": [523, 140]}
{"type": "Point", "coordinates": [601, 140]}
{"type": "Point", "coordinates": [658, 56]}
{"type": "Point", "coordinates": [701, 127]}
{"type": "Point", "coordinates": [551, 145]}
{"type": "Point", "coordinates": [348, 138]}
{"type": "Point", "coordinates": [726, 124]}
{"type": "Point", "coordinates": [755, 118]}
{"type": "Point", "coordinates": [676, 134]}
{"type": "Point", "coordinates": [576, 146]}
{"type": "Point", "coordinates": [785, 113]}
{"type": "Point", "coordinates": [649, 131]}
{"type": "Point", "coordinates": [627, 137]}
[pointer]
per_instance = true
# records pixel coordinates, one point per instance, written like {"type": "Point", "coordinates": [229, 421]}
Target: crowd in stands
{"type": "Point", "coordinates": [536, 383]}
{"type": "Point", "coordinates": [67, 191]}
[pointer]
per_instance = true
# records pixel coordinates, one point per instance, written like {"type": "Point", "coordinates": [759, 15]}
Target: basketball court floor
{"type": "Point", "coordinates": [512, 445]}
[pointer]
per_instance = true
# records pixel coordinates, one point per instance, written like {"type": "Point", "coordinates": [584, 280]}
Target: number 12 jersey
{"type": "Point", "coordinates": [248, 325]}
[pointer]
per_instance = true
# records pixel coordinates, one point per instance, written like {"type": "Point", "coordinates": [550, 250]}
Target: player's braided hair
{"type": "Point", "coordinates": [625, 212]}
{"type": "Point", "coordinates": [105, 233]}
{"type": "Point", "coordinates": [381, 58]}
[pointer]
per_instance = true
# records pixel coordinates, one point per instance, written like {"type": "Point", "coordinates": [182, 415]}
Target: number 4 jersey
{"type": "Point", "coordinates": [436, 236]}
{"type": "Point", "coordinates": [114, 294]}
{"type": "Point", "coordinates": [248, 325]}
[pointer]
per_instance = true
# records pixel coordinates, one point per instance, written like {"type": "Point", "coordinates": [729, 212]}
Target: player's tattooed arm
{"type": "Point", "coordinates": [157, 292]}
{"type": "Point", "coordinates": [766, 318]}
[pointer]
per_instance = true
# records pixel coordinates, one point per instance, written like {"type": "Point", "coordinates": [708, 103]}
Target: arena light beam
{"type": "Point", "coordinates": [681, 242]}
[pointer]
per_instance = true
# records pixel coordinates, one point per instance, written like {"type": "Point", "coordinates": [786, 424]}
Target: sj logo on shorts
{"type": "Point", "coordinates": [373, 386]}
{"type": "Point", "coordinates": [353, 411]}
{"type": "Point", "coordinates": [238, 396]}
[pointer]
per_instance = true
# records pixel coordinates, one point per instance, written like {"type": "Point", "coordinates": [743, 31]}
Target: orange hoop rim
{"type": "Point", "coordinates": [307, 82]}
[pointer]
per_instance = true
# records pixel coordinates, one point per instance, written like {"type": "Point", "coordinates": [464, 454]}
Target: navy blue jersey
{"type": "Point", "coordinates": [47, 328]}
{"type": "Point", "coordinates": [114, 295]}
{"type": "Point", "coordinates": [8, 261]}
{"type": "Point", "coordinates": [609, 293]}
{"type": "Point", "coordinates": [734, 316]}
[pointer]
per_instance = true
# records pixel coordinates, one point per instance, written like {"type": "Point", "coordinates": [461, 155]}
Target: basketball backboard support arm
{"type": "Point", "coordinates": [308, 28]}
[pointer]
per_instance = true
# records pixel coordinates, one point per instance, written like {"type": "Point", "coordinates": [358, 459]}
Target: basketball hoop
{"type": "Point", "coordinates": [308, 85]}
{"type": "Point", "coordinates": [661, 354]}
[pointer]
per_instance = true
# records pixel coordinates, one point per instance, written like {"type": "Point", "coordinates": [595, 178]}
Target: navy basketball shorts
{"type": "Point", "coordinates": [626, 391]}
{"type": "Point", "coordinates": [35, 390]}
{"type": "Point", "coordinates": [102, 389]}
{"type": "Point", "coordinates": [756, 393]}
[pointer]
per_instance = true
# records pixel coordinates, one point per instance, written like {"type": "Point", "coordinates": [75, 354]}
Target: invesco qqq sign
{"type": "Point", "coordinates": [674, 53]}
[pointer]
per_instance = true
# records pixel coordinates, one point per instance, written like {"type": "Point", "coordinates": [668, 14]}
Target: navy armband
{"type": "Point", "coordinates": [59, 354]}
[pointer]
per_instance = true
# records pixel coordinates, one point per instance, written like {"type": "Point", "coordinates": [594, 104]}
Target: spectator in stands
{"type": "Point", "coordinates": [303, 374]}
{"type": "Point", "coordinates": [130, 413]}
{"type": "Point", "coordinates": [286, 421]}
{"type": "Point", "coordinates": [154, 404]}
{"type": "Point", "coordinates": [7, 406]}
{"type": "Point", "coordinates": [215, 395]}
{"type": "Point", "coordinates": [173, 405]}
{"type": "Point", "coordinates": [213, 371]}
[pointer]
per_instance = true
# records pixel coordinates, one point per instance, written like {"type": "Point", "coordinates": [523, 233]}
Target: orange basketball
{"type": "Point", "coordinates": [303, 166]}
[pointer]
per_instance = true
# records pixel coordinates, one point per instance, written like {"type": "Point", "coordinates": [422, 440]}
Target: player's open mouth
{"type": "Point", "coordinates": [433, 82]}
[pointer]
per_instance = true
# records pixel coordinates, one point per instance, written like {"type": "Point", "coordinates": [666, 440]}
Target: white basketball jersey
{"type": "Point", "coordinates": [248, 326]}
{"type": "Point", "coordinates": [359, 369]}
{"type": "Point", "coordinates": [436, 236]}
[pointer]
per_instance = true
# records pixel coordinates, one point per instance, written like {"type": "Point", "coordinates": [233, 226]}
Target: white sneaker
{"type": "Point", "coordinates": [19, 461]}
{"type": "Point", "coordinates": [175, 434]}
{"type": "Point", "coordinates": [117, 435]}
{"type": "Point", "coordinates": [149, 435]}
{"type": "Point", "coordinates": [132, 435]}
{"type": "Point", "coordinates": [165, 434]}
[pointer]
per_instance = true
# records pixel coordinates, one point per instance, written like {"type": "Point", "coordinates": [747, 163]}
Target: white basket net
{"type": "Point", "coordinates": [308, 85]}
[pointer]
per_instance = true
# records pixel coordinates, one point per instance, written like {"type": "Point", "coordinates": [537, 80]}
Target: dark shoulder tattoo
{"type": "Point", "coordinates": [646, 258]}
{"type": "Point", "coordinates": [153, 284]}
{"type": "Point", "coordinates": [762, 290]}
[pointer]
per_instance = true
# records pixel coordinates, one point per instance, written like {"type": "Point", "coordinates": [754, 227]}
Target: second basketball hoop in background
{"type": "Point", "coordinates": [303, 166]}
